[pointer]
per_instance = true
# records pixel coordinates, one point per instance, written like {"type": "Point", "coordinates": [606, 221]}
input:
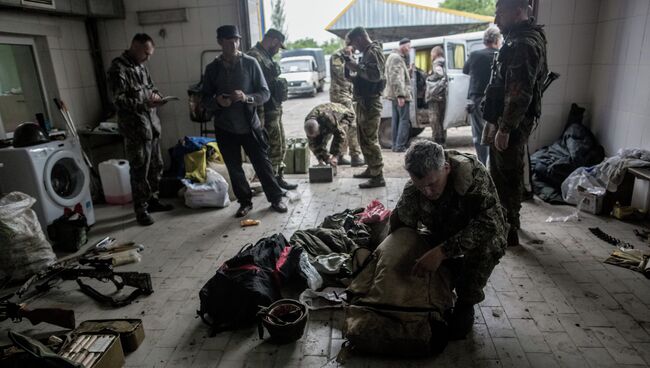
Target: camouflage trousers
{"type": "Point", "coordinates": [436, 119]}
{"type": "Point", "coordinates": [368, 112]}
{"type": "Point", "coordinates": [351, 143]}
{"type": "Point", "coordinates": [272, 123]}
{"type": "Point", "coordinates": [507, 171]}
{"type": "Point", "coordinates": [146, 164]}
{"type": "Point", "coordinates": [470, 275]}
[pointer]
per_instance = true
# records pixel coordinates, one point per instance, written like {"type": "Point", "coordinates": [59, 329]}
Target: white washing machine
{"type": "Point", "coordinates": [53, 173]}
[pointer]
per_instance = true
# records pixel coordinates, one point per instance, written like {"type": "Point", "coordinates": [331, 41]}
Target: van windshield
{"type": "Point", "coordinates": [296, 66]}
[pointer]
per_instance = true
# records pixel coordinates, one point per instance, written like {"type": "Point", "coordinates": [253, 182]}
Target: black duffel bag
{"type": "Point", "coordinates": [252, 278]}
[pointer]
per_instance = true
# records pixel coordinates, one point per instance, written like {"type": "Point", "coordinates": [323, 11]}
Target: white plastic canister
{"type": "Point", "coordinates": [116, 181]}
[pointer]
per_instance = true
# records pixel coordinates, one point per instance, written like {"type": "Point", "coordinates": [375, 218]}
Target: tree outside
{"type": "Point", "coordinates": [329, 47]}
{"type": "Point", "coordinates": [278, 18]}
{"type": "Point", "coordinates": [483, 7]}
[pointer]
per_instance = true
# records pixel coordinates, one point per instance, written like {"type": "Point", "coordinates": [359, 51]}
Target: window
{"type": "Point", "coordinates": [455, 55]}
{"type": "Point", "coordinates": [296, 66]}
{"type": "Point", "coordinates": [21, 92]}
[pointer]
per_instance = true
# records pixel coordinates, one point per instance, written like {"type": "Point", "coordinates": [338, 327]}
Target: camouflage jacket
{"type": "Point", "coordinates": [521, 69]}
{"type": "Point", "coordinates": [398, 78]}
{"type": "Point", "coordinates": [271, 70]}
{"type": "Point", "coordinates": [467, 218]}
{"type": "Point", "coordinates": [331, 117]}
{"type": "Point", "coordinates": [131, 86]}
{"type": "Point", "coordinates": [340, 87]}
{"type": "Point", "coordinates": [370, 79]}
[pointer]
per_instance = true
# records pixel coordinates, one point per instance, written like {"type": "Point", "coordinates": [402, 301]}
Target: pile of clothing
{"type": "Point", "coordinates": [551, 165]}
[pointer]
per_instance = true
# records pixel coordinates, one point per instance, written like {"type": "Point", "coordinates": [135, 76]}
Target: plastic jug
{"type": "Point", "coordinates": [116, 181]}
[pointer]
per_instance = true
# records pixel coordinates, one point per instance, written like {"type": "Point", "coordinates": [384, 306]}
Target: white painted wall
{"type": "Point", "coordinates": [620, 79]}
{"type": "Point", "coordinates": [176, 60]}
{"type": "Point", "coordinates": [571, 30]}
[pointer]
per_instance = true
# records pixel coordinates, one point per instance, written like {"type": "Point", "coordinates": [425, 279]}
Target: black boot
{"type": "Point", "coordinates": [373, 182]}
{"type": "Point", "coordinates": [154, 205]}
{"type": "Point", "coordinates": [342, 160]}
{"type": "Point", "coordinates": [461, 321]}
{"type": "Point", "coordinates": [357, 161]}
{"type": "Point", "coordinates": [365, 174]}
{"type": "Point", "coordinates": [282, 183]}
{"type": "Point", "coordinates": [144, 218]}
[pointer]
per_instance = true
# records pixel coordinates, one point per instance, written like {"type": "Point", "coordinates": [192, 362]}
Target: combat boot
{"type": "Point", "coordinates": [461, 321]}
{"type": "Point", "coordinates": [342, 160]}
{"type": "Point", "coordinates": [282, 183]}
{"type": "Point", "coordinates": [357, 161]}
{"type": "Point", "coordinates": [513, 237]}
{"type": "Point", "coordinates": [154, 205]}
{"type": "Point", "coordinates": [144, 218]}
{"type": "Point", "coordinates": [365, 174]}
{"type": "Point", "coordinates": [373, 182]}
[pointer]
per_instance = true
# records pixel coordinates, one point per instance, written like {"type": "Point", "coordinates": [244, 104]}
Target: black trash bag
{"type": "Point", "coordinates": [69, 232]}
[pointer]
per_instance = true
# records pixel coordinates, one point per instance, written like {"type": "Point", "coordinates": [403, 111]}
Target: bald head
{"type": "Point", "coordinates": [312, 129]}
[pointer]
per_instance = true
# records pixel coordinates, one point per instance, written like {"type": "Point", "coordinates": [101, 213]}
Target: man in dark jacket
{"type": "Point", "coordinates": [513, 103]}
{"type": "Point", "coordinates": [233, 86]}
{"type": "Point", "coordinates": [478, 68]}
{"type": "Point", "coordinates": [136, 99]}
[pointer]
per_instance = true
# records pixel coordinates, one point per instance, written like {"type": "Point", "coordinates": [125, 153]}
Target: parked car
{"type": "Point", "coordinates": [320, 66]}
{"type": "Point", "coordinates": [301, 75]}
{"type": "Point", "coordinates": [457, 49]}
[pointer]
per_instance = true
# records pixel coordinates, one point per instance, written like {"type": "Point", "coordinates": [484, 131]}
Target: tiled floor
{"type": "Point", "coordinates": [549, 304]}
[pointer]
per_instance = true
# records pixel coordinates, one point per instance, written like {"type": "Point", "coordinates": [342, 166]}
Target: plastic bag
{"type": "Point", "coordinates": [24, 249]}
{"type": "Point", "coordinates": [584, 177]}
{"type": "Point", "coordinates": [212, 193]}
{"type": "Point", "coordinates": [314, 279]}
{"type": "Point", "coordinates": [327, 299]}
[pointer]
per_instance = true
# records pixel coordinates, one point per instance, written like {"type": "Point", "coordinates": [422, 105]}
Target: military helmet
{"type": "Point", "coordinates": [285, 320]}
{"type": "Point", "coordinates": [29, 134]}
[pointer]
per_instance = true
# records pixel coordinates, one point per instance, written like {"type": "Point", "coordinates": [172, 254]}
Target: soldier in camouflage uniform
{"type": "Point", "coordinates": [324, 122]}
{"type": "Point", "coordinates": [368, 78]}
{"type": "Point", "coordinates": [341, 92]}
{"type": "Point", "coordinates": [271, 113]}
{"type": "Point", "coordinates": [513, 102]}
{"type": "Point", "coordinates": [452, 197]}
{"type": "Point", "coordinates": [136, 98]}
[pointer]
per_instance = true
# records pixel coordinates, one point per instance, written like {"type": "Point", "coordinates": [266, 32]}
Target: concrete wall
{"type": "Point", "coordinates": [65, 63]}
{"type": "Point", "coordinates": [176, 60]}
{"type": "Point", "coordinates": [620, 79]}
{"type": "Point", "coordinates": [571, 29]}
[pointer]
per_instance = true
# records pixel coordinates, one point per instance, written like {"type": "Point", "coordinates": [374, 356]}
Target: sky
{"type": "Point", "coordinates": [308, 18]}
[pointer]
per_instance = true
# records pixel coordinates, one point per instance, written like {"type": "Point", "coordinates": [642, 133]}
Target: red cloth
{"type": "Point", "coordinates": [375, 212]}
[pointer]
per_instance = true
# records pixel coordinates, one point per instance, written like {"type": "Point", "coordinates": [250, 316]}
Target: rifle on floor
{"type": "Point", "coordinates": [101, 270]}
{"type": "Point", "coordinates": [55, 316]}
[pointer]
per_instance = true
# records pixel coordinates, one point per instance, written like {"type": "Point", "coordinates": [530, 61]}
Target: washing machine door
{"type": "Point", "coordinates": [65, 178]}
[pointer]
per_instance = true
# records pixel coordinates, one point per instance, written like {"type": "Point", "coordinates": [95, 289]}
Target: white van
{"type": "Point", "coordinates": [457, 49]}
{"type": "Point", "coordinates": [301, 73]}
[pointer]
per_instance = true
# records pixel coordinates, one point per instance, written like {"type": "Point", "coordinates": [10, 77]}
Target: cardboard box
{"type": "Point", "coordinates": [131, 331]}
{"type": "Point", "coordinates": [590, 201]}
{"type": "Point", "coordinates": [95, 350]}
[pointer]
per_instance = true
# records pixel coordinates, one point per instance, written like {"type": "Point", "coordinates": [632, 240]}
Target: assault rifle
{"type": "Point", "coordinates": [101, 270]}
{"type": "Point", "coordinates": [56, 316]}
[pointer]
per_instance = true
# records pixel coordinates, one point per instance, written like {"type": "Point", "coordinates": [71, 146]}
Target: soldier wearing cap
{"type": "Point", "coordinates": [513, 103]}
{"type": "Point", "coordinates": [136, 99]}
{"type": "Point", "coordinates": [325, 121]}
{"type": "Point", "coordinates": [398, 90]}
{"type": "Point", "coordinates": [369, 80]}
{"type": "Point", "coordinates": [271, 113]}
{"type": "Point", "coordinates": [233, 86]}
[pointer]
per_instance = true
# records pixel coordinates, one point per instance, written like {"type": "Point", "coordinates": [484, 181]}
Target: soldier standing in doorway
{"type": "Point", "coordinates": [368, 78]}
{"type": "Point", "coordinates": [271, 113]}
{"type": "Point", "coordinates": [341, 92]}
{"type": "Point", "coordinates": [136, 99]}
{"type": "Point", "coordinates": [513, 103]}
